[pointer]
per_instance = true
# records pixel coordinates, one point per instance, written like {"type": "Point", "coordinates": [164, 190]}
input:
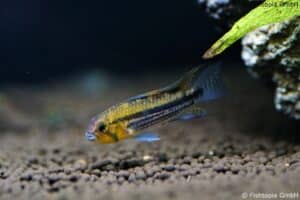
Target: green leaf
{"type": "Point", "coordinates": [271, 11]}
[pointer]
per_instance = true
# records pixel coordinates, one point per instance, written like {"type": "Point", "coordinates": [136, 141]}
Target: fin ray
{"type": "Point", "coordinates": [191, 113]}
{"type": "Point", "coordinates": [207, 79]}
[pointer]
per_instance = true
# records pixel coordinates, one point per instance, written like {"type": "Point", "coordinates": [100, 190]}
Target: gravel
{"type": "Point", "coordinates": [240, 149]}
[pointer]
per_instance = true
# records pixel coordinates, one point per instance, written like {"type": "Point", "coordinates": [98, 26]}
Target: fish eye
{"type": "Point", "coordinates": [102, 127]}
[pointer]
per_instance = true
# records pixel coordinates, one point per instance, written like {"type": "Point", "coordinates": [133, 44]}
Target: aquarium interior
{"type": "Point", "coordinates": [64, 62]}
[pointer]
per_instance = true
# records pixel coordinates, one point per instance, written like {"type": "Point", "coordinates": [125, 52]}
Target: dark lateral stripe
{"type": "Point", "coordinates": [159, 108]}
{"type": "Point", "coordinates": [163, 112]}
{"type": "Point", "coordinates": [149, 120]}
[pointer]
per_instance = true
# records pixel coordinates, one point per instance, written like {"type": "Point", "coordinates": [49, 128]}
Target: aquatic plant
{"type": "Point", "coordinates": [270, 11]}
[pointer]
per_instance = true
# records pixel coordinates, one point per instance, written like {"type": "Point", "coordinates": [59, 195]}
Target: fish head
{"type": "Point", "coordinates": [101, 131]}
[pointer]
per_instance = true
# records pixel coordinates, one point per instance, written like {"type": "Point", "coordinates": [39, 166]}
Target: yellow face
{"type": "Point", "coordinates": [106, 133]}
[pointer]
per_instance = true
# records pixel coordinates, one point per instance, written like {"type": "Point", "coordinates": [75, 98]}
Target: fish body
{"type": "Point", "coordinates": [180, 100]}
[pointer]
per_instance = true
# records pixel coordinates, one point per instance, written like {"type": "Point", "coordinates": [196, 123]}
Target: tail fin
{"type": "Point", "coordinates": [207, 79]}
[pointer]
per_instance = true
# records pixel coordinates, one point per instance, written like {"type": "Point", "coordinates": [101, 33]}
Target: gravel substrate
{"type": "Point", "coordinates": [243, 147]}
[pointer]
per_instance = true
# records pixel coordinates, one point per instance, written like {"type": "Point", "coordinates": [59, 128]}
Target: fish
{"type": "Point", "coordinates": [180, 100]}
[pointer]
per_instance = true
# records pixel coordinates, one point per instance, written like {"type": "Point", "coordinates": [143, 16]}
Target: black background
{"type": "Point", "coordinates": [41, 40]}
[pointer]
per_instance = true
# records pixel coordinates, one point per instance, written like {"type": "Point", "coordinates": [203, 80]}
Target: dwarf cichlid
{"type": "Point", "coordinates": [181, 100]}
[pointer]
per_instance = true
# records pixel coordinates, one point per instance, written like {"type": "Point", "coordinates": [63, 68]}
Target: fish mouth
{"type": "Point", "coordinates": [90, 136]}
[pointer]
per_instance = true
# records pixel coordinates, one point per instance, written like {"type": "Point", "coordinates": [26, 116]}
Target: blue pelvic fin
{"type": "Point", "coordinates": [192, 113]}
{"type": "Point", "coordinates": [147, 137]}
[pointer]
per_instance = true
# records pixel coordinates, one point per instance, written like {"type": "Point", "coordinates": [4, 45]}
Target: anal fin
{"type": "Point", "coordinates": [192, 112]}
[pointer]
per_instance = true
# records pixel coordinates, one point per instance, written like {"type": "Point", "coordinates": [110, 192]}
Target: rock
{"type": "Point", "coordinates": [169, 168]}
{"type": "Point", "coordinates": [80, 164]}
{"type": "Point", "coordinates": [100, 164]}
{"type": "Point", "coordinates": [226, 12]}
{"type": "Point", "coordinates": [123, 173]}
{"type": "Point", "coordinates": [140, 175]}
{"type": "Point", "coordinates": [163, 176]}
{"type": "Point", "coordinates": [26, 177]}
{"type": "Point", "coordinates": [272, 52]}
{"type": "Point", "coordinates": [74, 178]}
{"type": "Point", "coordinates": [111, 179]}
{"type": "Point", "coordinates": [219, 168]}
{"type": "Point", "coordinates": [131, 178]}
{"type": "Point", "coordinates": [162, 157]}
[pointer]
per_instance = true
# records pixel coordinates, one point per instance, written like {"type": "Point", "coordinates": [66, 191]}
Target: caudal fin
{"type": "Point", "coordinates": [207, 80]}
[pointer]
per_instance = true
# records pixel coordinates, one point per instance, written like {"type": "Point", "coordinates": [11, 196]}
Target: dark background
{"type": "Point", "coordinates": [41, 40]}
